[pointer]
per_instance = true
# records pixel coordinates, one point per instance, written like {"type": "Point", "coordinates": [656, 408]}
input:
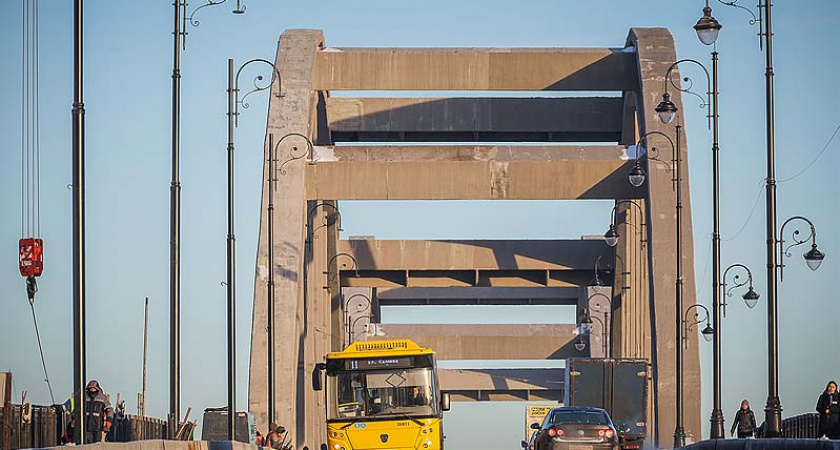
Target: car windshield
{"type": "Point", "coordinates": [578, 417]}
{"type": "Point", "coordinates": [381, 394]}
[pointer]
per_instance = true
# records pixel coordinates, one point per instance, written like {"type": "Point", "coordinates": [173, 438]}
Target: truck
{"type": "Point", "coordinates": [620, 386]}
{"type": "Point", "coordinates": [382, 395]}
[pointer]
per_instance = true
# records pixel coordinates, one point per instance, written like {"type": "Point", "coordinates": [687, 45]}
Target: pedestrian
{"type": "Point", "coordinates": [744, 421]}
{"type": "Point", "coordinates": [259, 440]}
{"type": "Point", "coordinates": [828, 406]}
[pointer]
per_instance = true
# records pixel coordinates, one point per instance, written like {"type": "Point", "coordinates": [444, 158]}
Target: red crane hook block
{"type": "Point", "coordinates": [31, 257]}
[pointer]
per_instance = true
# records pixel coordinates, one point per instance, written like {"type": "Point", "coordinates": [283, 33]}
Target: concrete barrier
{"type": "Point", "coordinates": [764, 444]}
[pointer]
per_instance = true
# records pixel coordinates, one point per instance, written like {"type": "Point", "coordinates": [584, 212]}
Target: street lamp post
{"type": "Point", "coordinates": [79, 344]}
{"type": "Point", "coordinates": [667, 111]}
{"type": "Point", "coordinates": [233, 120]}
{"type": "Point", "coordinates": [179, 34]}
{"type": "Point", "coordinates": [637, 177]}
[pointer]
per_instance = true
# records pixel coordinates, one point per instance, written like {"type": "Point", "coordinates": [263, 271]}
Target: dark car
{"type": "Point", "coordinates": [576, 429]}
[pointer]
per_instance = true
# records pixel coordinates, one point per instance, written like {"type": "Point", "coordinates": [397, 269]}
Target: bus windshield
{"type": "Point", "coordinates": [373, 394]}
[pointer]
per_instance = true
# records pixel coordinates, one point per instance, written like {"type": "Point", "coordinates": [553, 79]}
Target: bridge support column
{"type": "Point", "coordinates": [290, 113]}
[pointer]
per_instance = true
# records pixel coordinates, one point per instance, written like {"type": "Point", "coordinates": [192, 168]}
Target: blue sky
{"type": "Point", "coordinates": [128, 60]}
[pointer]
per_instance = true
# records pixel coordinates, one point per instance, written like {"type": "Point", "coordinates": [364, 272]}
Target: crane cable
{"type": "Point", "coordinates": [41, 349]}
{"type": "Point", "coordinates": [31, 152]}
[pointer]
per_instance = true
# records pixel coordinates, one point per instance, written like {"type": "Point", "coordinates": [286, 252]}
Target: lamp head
{"type": "Point", "coordinates": [814, 257]}
{"type": "Point", "coordinates": [751, 298]}
{"type": "Point", "coordinates": [708, 333]}
{"type": "Point", "coordinates": [707, 28]}
{"type": "Point", "coordinates": [666, 109]}
{"type": "Point", "coordinates": [611, 236]}
{"type": "Point", "coordinates": [637, 175]}
{"type": "Point", "coordinates": [586, 322]}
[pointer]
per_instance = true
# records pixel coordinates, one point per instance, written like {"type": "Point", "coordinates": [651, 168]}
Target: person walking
{"type": "Point", "coordinates": [828, 406]}
{"type": "Point", "coordinates": [744, 421]}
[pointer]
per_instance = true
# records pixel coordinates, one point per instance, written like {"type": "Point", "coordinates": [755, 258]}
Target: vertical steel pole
{"type": "Point", "coordinates": [175, 230]}
{"type": "Point", "coordinates": [717, 430]}
{"type": "Point", "coordinates": [773, 408]}
{"type": "Point", "coordinates": [679, 431]}
{"type": "Point", "coordinates": [78, 224]}
{"type": "Point", "coordinates": [231, 268]}
{"type": "Point", "coordinates": [271, 291]}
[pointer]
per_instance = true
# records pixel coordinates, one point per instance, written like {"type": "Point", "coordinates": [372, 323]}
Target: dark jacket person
{"type": "Point", "coordinates": [98, 413]}
{"type": "Point", "coordinates": [744, 421]}
{"type": "Point", "coordinates": [99, 416]}
{"type": "Point", "coordinates": [828, 406]}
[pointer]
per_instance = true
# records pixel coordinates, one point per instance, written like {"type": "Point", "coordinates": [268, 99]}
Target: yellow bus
{"type": "Point", "coordinates": [383, 395]}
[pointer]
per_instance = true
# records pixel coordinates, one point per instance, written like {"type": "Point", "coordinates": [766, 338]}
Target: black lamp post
{"type": "Point", "coordinates": [272, 179]}
{"type": "Point", "coordinates": [233, 120]}
{"type": "Point", "coordinates": [179, 34]}
{"type": "Point", "coordinates": [637, 177]}
{"type": "Point", "coordinates": [78, 157]}
{"type": "Point", "coordinates": [667, 110]}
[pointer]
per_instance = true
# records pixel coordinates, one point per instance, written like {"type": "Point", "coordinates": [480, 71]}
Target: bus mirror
{"type": "Point", "coordinates": [444, 401]}
{"type": "Point", "coordinates": [317, 383]}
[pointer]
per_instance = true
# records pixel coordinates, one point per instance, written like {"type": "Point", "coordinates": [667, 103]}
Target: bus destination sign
{"type": "Point", "coordinates": [404, 362]}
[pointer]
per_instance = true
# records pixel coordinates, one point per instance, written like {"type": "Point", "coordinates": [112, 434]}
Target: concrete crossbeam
{"type": "Point", "coordinates": [375, 254]}
{"type": "Point", "coordinates": [466, 278]}
{"type": "Point", "coordinates": [485, 342]}
{"type": "Point", "coordinates": [503, 384]}
{"type": "Point", "coordinates": [593, 119]}
{"type": "Point", "coordinates": [529, 69]}
{"type": "Point", "coordinates": [471, 153]}
{"type": "Point", "coordinates": [477, 296]}
{"type": "Point", "coordinates": [462, 174]}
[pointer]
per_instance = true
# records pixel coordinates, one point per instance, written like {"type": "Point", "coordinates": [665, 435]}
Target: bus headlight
{"type": "Point", "coordinates": [427, 444]}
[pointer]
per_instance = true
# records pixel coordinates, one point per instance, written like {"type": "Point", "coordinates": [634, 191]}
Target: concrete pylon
{"type": "Point", "coordinates": [291, 113]}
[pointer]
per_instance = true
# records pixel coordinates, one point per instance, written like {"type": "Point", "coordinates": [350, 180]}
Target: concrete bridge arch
{"type": "Point", "coordinates": [316, 281]}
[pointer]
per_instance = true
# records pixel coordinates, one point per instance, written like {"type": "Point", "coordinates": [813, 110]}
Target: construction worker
{"type": "Point", "coordinates": [274, 439]}
{"type": "Point", "coordinates": [99, 415]}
